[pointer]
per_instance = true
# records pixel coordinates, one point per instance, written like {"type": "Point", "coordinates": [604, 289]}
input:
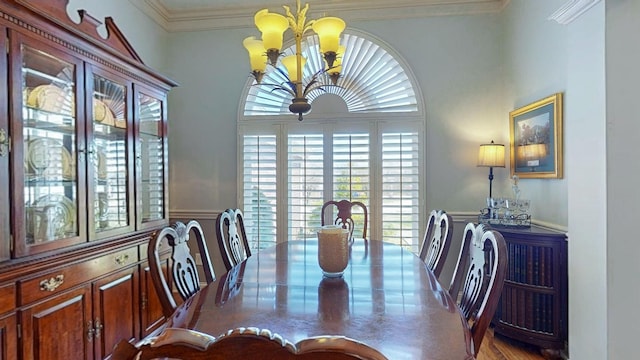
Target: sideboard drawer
{"type": "Point", "coordinates": [55, 281]}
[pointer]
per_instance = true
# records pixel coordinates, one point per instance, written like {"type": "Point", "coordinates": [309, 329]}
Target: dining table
{"type": "Point", "coordinates": [386, 298]}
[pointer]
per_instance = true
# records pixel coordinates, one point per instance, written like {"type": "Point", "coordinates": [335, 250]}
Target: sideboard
{"type": "Point", "coordinates": [533, 305]}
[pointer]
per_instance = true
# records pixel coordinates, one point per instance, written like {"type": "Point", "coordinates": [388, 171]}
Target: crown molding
{"type": "Point", "coordinates": [572, 10]}
{"type": "Point", "coordinates": [241, 16]}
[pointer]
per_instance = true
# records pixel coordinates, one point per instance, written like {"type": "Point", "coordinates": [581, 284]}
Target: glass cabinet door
{"type": "Point", "coordinates": [110, 193]}
{"type": "Point", "coordinates": [49, 177]}
{"type": "Point", "coordinates": [5, 237]}
{"type": "Point", "coordinates": [151, 153]}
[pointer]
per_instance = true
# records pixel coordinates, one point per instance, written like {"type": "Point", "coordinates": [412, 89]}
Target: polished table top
{"type": "Point", "coordinates": [386, 299]}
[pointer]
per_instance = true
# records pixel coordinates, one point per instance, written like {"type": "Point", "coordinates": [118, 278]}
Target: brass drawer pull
{"type": "Point", "coordinates": [122, 259]}
{"type": "Point", "coordinates": [51, 284]}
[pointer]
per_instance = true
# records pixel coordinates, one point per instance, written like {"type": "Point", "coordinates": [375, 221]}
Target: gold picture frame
{"type": "Point", "coordinates": [536, 139]}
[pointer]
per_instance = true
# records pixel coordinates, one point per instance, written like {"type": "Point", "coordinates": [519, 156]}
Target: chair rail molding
{"type": "Point", "coordinates": [470, 216]}
{"type": "Point", "coordinates": [194, 214]}
{"type": "Point", "coordinates": [571, 11]}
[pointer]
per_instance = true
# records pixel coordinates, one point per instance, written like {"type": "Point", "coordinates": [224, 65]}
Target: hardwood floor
{"type": "Point", "coordinates": [501, 348]}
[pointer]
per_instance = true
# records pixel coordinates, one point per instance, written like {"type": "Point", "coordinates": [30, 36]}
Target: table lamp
{"type": "Point", "coordinates": [491, 155]}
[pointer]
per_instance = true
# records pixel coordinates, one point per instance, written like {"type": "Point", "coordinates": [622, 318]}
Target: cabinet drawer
{"type": "Point", "coordinates": [7, 298]}
{"type": "Point", "coordinates": [64, 278]}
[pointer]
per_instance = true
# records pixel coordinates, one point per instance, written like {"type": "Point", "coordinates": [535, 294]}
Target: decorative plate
{"type": "Point", "coordinates": [56, 217]}
{"type": "Point", "coordinates": [49, 158]}
{"type": "Point", "coordinates": [52, 98]}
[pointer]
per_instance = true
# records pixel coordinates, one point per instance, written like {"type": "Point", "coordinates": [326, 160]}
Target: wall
{"type": "Point", "coordinates": [536, 67]}
{"type": "Point", "coordinates": [457, 75]}
{"type": "Point", "coordinates": [544, 57]}
{"type": "Point", "coordinates": [623, 169]}
{"type": "Point", "coordinates": [586, 174]}
{"type": "Point", "coordinates": [147, 37]}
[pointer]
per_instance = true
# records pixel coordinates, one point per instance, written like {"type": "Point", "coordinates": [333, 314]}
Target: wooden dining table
{"type": "Point", "coordinates": [386, 298]}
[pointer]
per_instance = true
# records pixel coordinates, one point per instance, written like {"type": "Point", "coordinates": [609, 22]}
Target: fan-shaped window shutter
{"type": "Point", "coordinates": [372, 81]}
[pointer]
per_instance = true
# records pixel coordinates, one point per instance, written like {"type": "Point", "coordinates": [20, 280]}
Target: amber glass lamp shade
{"type": "Point", "coordinates": [329, 30]}
{"type": "Point", "coordinates": [291, 64]}
{"type": "Point", "coordinates": [257, 56]}
{"type": "Point", "coordinates": [272, 26]}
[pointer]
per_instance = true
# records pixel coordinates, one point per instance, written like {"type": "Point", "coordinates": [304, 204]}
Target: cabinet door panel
{"type": "Point", "coordinates": [115, 310]}
{"type": "Point", "coordinates": [5, 238]}
{"type": "Point", "coordinates": [110, 155]}
{"type": "Point", "coordinates": [151, 157]}
{"type": "Point", "coordinates": [59, 328]}
{"type": "Point", "coordinates": [47, 191]}
{"type": "Point", "coordinates": [152, 316]}
{"type": "Point", "coordinates": [8, 338]}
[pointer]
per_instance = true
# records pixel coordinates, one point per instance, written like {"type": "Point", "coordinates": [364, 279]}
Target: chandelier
{"type": "Point", "coordinates": [267, 52]}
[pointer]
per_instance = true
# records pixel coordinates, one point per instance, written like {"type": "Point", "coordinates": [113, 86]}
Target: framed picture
{"type": "Point", "coordinates": [536, 139]}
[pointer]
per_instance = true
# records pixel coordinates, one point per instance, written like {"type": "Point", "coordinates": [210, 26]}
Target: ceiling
{"type": "Point", "coordinates": [190, 15]}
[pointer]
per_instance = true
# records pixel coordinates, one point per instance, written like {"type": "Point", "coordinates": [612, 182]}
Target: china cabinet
{"type": "Point", "coordinates": [83, 184]}
{"type": "Point", "coordinates": [533, 305]}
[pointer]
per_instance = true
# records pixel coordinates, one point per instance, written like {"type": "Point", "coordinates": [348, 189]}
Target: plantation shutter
{"type": "Point", "coordinates": [400, 188]}
{"type": "Point", "coordinates": [351, 178]}
{"type": "Point", "coordinates": [260, 195]}
{"type": "Point", "coordinates": [305, 180]}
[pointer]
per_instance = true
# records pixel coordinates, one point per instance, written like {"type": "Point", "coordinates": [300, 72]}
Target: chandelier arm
{"type": "Point", "coordinates": [277, 87]}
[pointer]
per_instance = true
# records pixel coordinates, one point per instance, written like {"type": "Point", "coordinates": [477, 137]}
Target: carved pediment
{"type": "Point", "coordinates": [55, 10]}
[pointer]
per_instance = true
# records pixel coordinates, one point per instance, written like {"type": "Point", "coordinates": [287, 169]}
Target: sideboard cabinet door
{"type": "Point", "coordinates": [59, 328]}
{"type": "Point", "coordinates": [8, 337]}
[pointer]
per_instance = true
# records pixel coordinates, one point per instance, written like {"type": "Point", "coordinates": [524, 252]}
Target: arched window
{"type": "Point", "coordinates": [362, 140]}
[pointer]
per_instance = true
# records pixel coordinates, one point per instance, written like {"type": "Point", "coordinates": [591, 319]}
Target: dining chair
{"type": "Point", "coordinates": [244, 343]}
{"type": "Point", "coordinates": [232, 237]}
{"type": "Point", "coordinates": [437, 241]}
{"type": "Point", "coordinates": [344, 216]}
{"type": "Point", "coordinates": [183, 270]}
{"type": "Point", "coordinates": [478, 278]}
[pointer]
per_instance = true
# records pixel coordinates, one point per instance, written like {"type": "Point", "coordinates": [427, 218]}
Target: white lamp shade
{"type": "Point", "coordinates": [491, 155]}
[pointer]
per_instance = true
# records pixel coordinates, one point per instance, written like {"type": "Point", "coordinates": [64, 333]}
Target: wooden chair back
{"type": "Point", "coordinates": [232, 237]}
{"type": "Point", "coordinates": [478, 278]}
{"type": "Point", "coordinates": [244, 343]}
{"type": "Point", "coordinates": [344, 216]}
{"type": "Point", "coordinates": [437, 241]}
{"type": "Point", "coordinates": [183, 271]}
